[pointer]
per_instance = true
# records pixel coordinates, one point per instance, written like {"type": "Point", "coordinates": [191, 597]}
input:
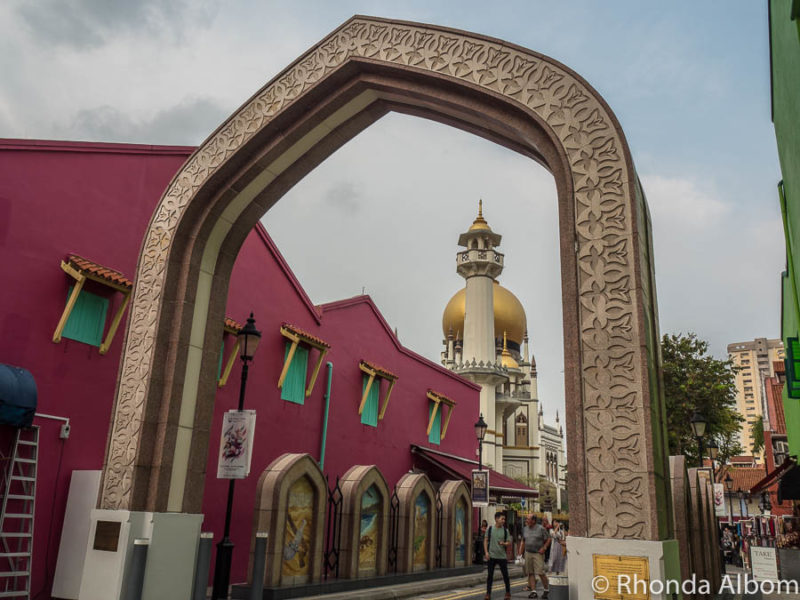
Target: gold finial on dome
{"type": "Point", "coordinates": [505, 358]}
{"type": "Point", "coordinates": [480, 223]}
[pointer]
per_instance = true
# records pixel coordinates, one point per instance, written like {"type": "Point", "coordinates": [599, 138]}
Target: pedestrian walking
{"type": "Point", "coordinates": [494, 547]}
{"type": "Point", "coordinates": [558, 555]}
{"type": "Point", "coordinates": [534, 543]}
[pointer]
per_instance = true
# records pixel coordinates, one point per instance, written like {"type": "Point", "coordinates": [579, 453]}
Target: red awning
{"type": "Point", "coordinates": [774, 476]}
{"type": "Point", "coordinates": [461, 468]}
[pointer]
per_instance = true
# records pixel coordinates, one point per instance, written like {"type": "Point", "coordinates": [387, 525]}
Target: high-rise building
{"type": "Point", "coordinates": [755, 361]}
{"type": "Point", "coordinates": [486, 341]}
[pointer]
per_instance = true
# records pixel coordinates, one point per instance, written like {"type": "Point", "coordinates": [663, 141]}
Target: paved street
{"type": "Point", "coordinates": [477, 592]}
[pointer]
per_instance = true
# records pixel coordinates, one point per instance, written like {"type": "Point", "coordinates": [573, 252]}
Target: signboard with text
{"type": "Point", "coordinates": [480, 488]}
{"type": "Point", "coordinates": [236, 444]}
{"type": "Point", "coordinates": [614, 572]}
{"type": "Point", "coordinates": [765, 563]}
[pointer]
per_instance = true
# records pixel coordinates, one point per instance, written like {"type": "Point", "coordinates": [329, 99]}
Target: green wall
{"type": "Point", "coordinates": [791, 406]}
{"type": "Point", "coordinates": [785, 60]}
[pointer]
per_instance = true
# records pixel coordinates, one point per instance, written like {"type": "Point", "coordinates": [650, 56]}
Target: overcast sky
{"type": "Point", "coordinates": [688, 80]}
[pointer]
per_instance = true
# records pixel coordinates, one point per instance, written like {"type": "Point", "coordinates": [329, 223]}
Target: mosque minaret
{"type": "Point", "coordinates": [486, 341]}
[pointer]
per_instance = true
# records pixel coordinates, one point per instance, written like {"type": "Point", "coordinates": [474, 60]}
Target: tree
{"type": "Point", "coordinates": [696, 381]}
{"type": "Point", "coordinates": [757, 431]}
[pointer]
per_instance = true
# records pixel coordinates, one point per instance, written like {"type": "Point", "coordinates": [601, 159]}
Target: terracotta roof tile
{"type": "Point", "coordinates": [305, 336]}
{"type": "Point", "coordinates": [385, 373]}
{"type": "Point", "coordinates": [232, 326]}
{"type": "Point", "coordinates": [105, 273]}
{"type": "Point", "coordinates": [743, 477]}
{"type": "Point", "coordinates": [437, 396]}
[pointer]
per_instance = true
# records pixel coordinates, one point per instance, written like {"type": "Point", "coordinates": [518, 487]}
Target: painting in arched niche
{"type": "Point", "coordinates": [364, 548]}
{"type": "Point", "coordinates": [369, 529]}
{"type": "Point", "coordinates": [422, 531]}
{"type": "Point", "coordinates": [297, 531]}
{"type": "Point", "coordinates": [290, 507]}
{"type": "Point", "coordinates": [457, 523]}
{"type": "Point", "coordinates": [416, 548]}
{"type": "Point", "coordinates": [460, 540]}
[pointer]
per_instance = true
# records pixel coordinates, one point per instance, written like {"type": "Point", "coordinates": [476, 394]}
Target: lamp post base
{"type": "Point", "coordinates": [222, 569]}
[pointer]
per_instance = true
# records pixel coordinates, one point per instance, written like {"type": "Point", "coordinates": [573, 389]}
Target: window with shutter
{"type": "Point", "coordinates": [88, 318]}
{"type": "Point", "coordinates": [435, 434]}
{"type": "Point", "coordinates": [369, 414]}
{"type": "Point", "coordinates": [294, 386]}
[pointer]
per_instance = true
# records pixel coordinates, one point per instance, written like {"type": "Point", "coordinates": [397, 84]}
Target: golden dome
{"type": "Point", "coordinates": [509, 316]}
{"type": "Point", "coordinates": [480, 224]}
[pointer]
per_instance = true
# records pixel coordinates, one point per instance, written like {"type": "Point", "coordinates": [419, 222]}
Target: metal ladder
{"type": "Point", "coordinates": [16, 518]}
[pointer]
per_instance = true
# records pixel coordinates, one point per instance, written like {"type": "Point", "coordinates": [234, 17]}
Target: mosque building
{"type": "Point", "coordinates": [486, 341]}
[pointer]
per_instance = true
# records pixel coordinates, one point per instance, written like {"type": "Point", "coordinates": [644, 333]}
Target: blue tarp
{"type": "Point", "coordinates": [17, 396]}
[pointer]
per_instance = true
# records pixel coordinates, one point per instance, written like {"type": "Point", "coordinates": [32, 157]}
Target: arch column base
{"type": "Point", "coordinates": [590, 558]}
{"type": "Point", "coordinates": [171, 554]}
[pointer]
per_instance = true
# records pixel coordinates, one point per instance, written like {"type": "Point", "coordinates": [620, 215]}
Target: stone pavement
{"type": "Point", "coordinates": [450, 588]}
{"type": "Point", "coordinates": [733, 572]}
{"type": "Point", "coordinates": [471, 587]}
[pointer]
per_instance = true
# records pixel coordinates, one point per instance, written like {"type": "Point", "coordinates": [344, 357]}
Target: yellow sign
{"type": "Point", "coordinates": [621, 577]}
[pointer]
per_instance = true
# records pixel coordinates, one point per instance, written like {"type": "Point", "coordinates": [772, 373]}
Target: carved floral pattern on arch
{"type": "Point", "coordinates": [609, 326]}
{"type": "Point", "coordinates": [615, 501]}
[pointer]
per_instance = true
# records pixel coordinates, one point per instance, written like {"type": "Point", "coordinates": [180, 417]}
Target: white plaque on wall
{"type": "Point", "coordinates": [236, 444]}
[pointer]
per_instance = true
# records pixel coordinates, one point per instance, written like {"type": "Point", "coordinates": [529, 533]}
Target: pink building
{"type": "Point", "coordinates": [87, 205]}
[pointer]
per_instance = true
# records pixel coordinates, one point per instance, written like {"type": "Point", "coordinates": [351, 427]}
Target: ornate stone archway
{"type": "Point", "coordinates": [618, 473]}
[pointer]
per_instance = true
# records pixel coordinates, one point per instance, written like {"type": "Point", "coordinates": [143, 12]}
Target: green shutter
{"type": "Point", "coordinates": [435, 436]}
{"type": "Point", "coordinates": [88, 318]}
{"type": "Point", "coordinates": [294, 386]}
{"type": "Point", "coordinates": [369, 416]}
{"type": "Point", "coordinates": [219, 364]}
{"type": "Point", "coordinates": [793, 367]}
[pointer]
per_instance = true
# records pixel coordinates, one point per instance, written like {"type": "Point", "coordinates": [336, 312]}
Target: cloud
{"type": "Point", "coordinates": [83, 24]}
{"type": "Point", "coordinates": [184, 124]}
{"type": "Point", "coordinates": [717, 260]}
{"type": "Point", "coordinates": [344, 196]}
{"type": "Point", "coordinates": [682, 202]}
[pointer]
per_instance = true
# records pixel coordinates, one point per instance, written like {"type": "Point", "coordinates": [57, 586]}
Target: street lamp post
{"type": "Point", "coordinates": [249, 337]}
{"type": "Point", "coordinates": [699, 429]}
{"type": "Point", "coordinates": [480, 433]}
{"type": "Point", "coordinates": [729, 487]}
{"type": "Point", "coordinates": [713, 453]}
